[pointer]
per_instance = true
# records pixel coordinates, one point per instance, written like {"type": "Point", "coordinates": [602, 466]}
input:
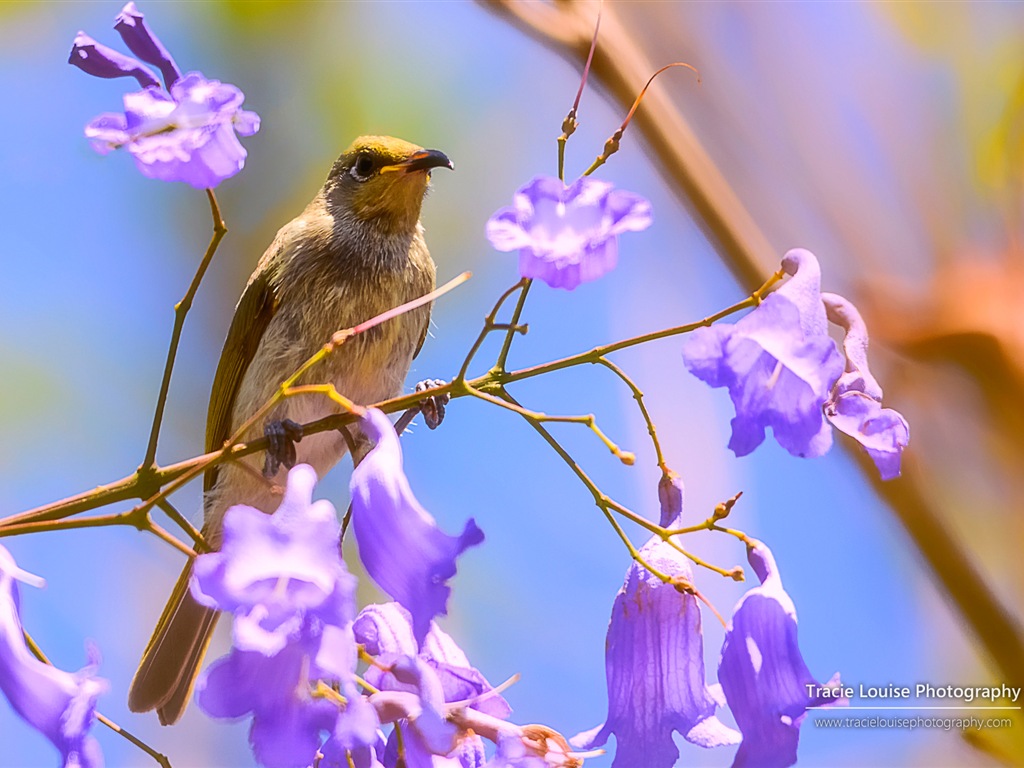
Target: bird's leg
{"type": "Point", "coordinates": [283, 435]}
{"type": "Point", "coordinates": [432, 408]}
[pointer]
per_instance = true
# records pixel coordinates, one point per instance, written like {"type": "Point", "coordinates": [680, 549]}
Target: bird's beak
{"type": "Point", "coordinates": [421, 160]}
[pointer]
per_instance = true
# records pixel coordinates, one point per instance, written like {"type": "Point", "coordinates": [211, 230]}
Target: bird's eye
{"type": "Point", "coordinates": [362, 169]}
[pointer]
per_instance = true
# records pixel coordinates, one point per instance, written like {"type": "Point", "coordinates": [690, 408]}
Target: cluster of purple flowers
{"type": "Point", "coordinates": [781, 367]}
{"type": "Point", "coordinates": [296, 633]}
{"type": "Point", "coordinates": [783, 371]}
{"type": "Point", "coordinates": [184, 131]}
{"type": "Point", "coordinates": [655, 663]}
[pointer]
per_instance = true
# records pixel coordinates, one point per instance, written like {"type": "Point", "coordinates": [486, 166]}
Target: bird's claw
{"type": "Point", "coordinates": [432, 408]}
{"type": "Point", "coordinates": [283, 435]}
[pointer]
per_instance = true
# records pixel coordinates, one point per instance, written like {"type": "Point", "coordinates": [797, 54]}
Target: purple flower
{"type": "Point", "coordinates": [293, 601]}
{"type": "Point", "coordinates": [567, 235]}
{"type": "Point", "coordinates": [385, 631]}
{"type": "Point", "coordinates": [763, 673]}
{"type": "Point", "coordinates": [401, 547]}
{"type": "Point", "coordinates": [185, 132]}
{"type": "Point", "coordinates": [286, 720]}
{"type": "Point", "coordinates": [356, 735]}
{"type": "Point", "coordinates": [778, 363]}
{"type": "Point", "coordinates": [855, 406]}
{"type": "Point", "coordinates": [654, 659]}
{"type": "Point", "coordinates": [421, 704]}
{"type": "Point", "coordinates": [58, 704]}
{"type": "Point", "coordinates": [274, 570]}
{"type": "Point", "coordinates": [534, 746]}
{"type": "Point", "coordinates": [513, 753]}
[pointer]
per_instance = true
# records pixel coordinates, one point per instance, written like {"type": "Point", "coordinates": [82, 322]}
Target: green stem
{"type": "Point", "coordinates": [536, 416]}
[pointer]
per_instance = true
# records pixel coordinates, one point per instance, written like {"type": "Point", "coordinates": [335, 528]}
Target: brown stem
{"type": "Point", "coordinates": [180, 312]}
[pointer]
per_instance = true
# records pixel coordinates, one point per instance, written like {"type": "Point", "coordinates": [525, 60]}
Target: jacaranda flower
{"type": "Point", "coordinates": [356, 741]}
{"type": "Point", "coordinates": [274, 570]}
{"type": "Point", "coordinates": [385, 631]}
{"type": "Point", "coordinates": [567, 235]}
{"type": "Point", "coordinates": [420, 704]}
{"type": "Point", "coordinates": [185, 132]}
{"type": "Point", "coordinates": [287, 721]}
{"type": "Point", "coordinates": [401, 547]}
{"type": "Point", "coordinates": [763, 673]}
{"type": "Point", "coordinates": [654, 660]}
{"type": "Point", "coordinates": [282, 577]}
{"type": "Point", "coordinates": [778, 364]}
{"type": "Point", "coordinates": [60, 705]}
{"type": "Point", "coordinates": [855, 406]}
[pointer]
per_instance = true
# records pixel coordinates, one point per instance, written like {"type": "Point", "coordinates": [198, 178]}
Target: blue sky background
{"type": "Point", "coordinates": [94, 256]}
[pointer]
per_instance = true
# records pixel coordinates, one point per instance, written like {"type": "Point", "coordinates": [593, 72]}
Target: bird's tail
{"type": "Point", "coordinates": [171, 660]}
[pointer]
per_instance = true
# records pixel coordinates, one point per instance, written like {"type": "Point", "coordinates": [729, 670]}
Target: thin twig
{"type": "Point", "coordinates": [489, 325]}
{"type": "Point", "coordinates": [638, 396]}
{"type": "Point", "coordinates": [182, 522]}
{"type": "Point", "coordinates": [180, 312]}
{"type": "Point", "coordinates": [626, 457]}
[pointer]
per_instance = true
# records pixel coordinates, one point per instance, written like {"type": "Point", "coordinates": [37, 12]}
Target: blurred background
{"type": "Point", "coordinates": [885, 138]}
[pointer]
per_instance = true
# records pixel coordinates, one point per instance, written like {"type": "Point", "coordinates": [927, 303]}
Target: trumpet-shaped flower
{"type": "Point", "coordinates": [421, 705]}
{"type": "Point", "coordinates": [567, 235]}
{"type": "Point", "coordinates": [184, 132]}
{"type": "Point", "coordinates": [654, 659]}
{"type": "Point", "coordinates": [282, 577]}
{"type": "Point", "coordinates": [60, 705]}
{"type": "Point", "coordinates": [855, 405]}
{"type": "Point", "coordinates": [385, 631]}
{"type": "Point", "coordinates": [400, 545]}
{"type": "Point", "coordinates": [274, 570]}
{"type": "Point", "coordinates": [778, 364]}
{"type": "Point", "coordinates": [762, 671]}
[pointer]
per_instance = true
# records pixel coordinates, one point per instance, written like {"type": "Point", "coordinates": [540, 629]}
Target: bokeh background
{"type": "Point", "coordinates": [885, 138]}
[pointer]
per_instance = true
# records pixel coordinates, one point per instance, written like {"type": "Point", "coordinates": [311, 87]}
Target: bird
{"type": "Point", "coordinates": [357, 250]}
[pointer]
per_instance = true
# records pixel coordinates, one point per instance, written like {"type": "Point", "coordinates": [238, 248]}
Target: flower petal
{"type": "Point", "coordinates": [778, 364]}
{"type": "Point", "coordinates": [567, 235]}
{"type": "Point", "coordinates": [60, 705]}
{"type": "Point", "coordinates": [855, 406]}
{"type": "Point", "coordinates": [399, 543]}
{"type": "Point", "coordinates": [100, 61]}
{"type": "Point", "coordinates": [654, 660]}
{"type": "Point", "coordinates": [132, 27]}
{"type": "Point", "coordinates": [762, 671]}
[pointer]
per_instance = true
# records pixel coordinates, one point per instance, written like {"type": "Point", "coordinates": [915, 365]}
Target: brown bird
{"type": "Point", "coordinates": [356, 250]}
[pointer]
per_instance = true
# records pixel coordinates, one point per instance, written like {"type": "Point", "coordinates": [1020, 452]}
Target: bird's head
{"type": "Point", "coordinates": [382, 180]}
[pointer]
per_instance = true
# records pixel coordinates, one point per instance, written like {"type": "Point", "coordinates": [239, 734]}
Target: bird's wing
{"type": "Point", "coordinates": [252, 315]}
{"type": "Point", "coordinates": [423, 334]}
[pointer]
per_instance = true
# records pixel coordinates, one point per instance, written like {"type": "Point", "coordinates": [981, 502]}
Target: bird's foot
{"type": "Point", "coordinates": [432, 408]}
{"type": "Point", "coordinates": [283, 435]}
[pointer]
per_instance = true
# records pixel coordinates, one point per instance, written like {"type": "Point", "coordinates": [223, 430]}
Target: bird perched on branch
{"type": "Point", "coordinates": [356, 251]}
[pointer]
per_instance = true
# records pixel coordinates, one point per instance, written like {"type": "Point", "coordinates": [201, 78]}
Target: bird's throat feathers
{"type": "Point", "coordinates": [390, 203]}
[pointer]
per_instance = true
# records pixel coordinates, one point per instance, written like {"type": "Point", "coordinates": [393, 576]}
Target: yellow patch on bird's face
{"type": "Point", "coordinates": [386, 149]}
{"type": "Point", "coordinates": [392, 199]}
